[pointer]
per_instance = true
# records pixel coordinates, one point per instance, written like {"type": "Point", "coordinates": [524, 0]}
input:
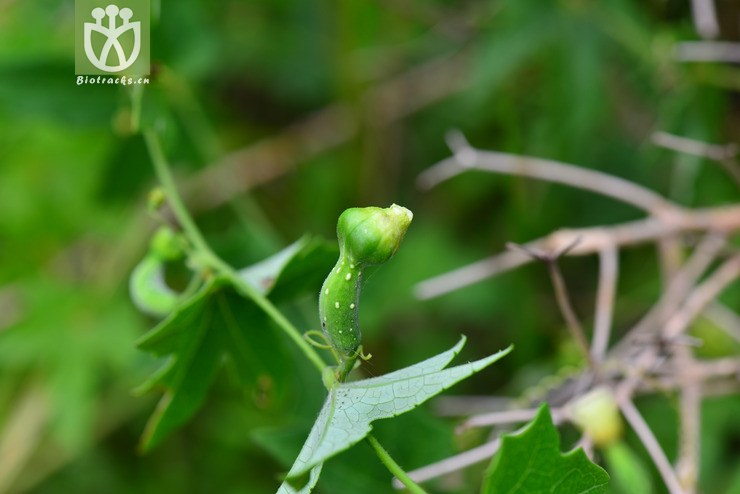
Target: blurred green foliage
{"type": "Point", "coordinates": [573, 80]}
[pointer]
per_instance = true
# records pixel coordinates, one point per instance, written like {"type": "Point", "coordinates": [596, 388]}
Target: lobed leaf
{"type": "Point", "coordinates": [219, 323]}
{"type": "Point", "coordinates": [530, 462]}
{"type": "Point", "coordinates": [348, 411]}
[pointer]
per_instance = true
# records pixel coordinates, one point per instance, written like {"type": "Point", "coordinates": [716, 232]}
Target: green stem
{"type": "Point", "coordinates": [345, 367]}
{"type": "Point", "coordinates": [162, 169]}
{"type": "Point", "coordinates": [394, 467]}
{"type": "Point", "coordinates": [136, 93]}
{"type": "Point", "coordinates": [164, 175]}
{"type": "Point", "coordinates": [271, 311]}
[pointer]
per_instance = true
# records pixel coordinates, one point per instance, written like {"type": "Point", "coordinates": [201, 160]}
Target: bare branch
{"type": "Point", "coordinates": [470, 274]}
{"type": "Point", "coordinates": [675, 294]}
{"type": "Point", "coordinates": [687, 466]}
{"type": "Point", "coordinates": [707, 51]}
{"type": "Point", "coordinates": [725, 319]}
{"type": "Point", "coordinates": [705, 18]}
{"type": "Point", "coordinates": [670, 257]}
{"type": "Point", "coordinates": [507, 417]}
{"type": "Point", "coordinates": [566, 308]}
{"type": "Point", "coordinates": [723, 372]}
{"type": "Point", "coordinates": [466, 157]}
{"type": "Point", "coordinates": [676, 324]}
{"type": "Point", "coordinates": [716, 152]}
{"type": "Point", "coordinates": [453, 463]}
{"type": "Point", "coordinates": [702, 296]}
{"type": "Point", "coordinates": [594, 239]}
{"type": "Point", "coordinates": [561, 291]}
{"type": "Point", "coordinates": [605, 295]}
{"type": "Point", "coordinates": [459, 406]}
{"type": "Point", "coordinates": [724, 154]}
{"type": "Point", "coordinates": [655, 354]}
{"type": "Point", "coordinates": [642, 429]}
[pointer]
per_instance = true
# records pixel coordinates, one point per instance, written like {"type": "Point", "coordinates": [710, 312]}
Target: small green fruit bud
{"type": "Point", "coordinates": [156, 200]}
{"type": "Point", "coordinates": [372, 235]}
{"type": "Point", "coordinates": [596, 413]}
{"type": "Point", "coordinates": [166, 245]}
{"type": "Point", "coordinates": [148, 290]}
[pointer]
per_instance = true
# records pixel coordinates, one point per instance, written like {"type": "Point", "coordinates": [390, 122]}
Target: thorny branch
{"type": "Point", "coordinates": [656, 354]}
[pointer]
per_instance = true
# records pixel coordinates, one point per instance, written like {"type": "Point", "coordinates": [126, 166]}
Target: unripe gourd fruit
{"type": "Point", "coordinates": [596, 413]}
{"type": "Point", "coordinates": [147, 287]}
{"type": "Point", "coordinates": [367, 237]}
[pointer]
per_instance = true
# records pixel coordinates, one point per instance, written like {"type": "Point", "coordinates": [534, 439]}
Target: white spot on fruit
{"type": "Point", "coordinates": [348, 277]}
{"type": "Point", "coordinates": [336, 305]}
{"type": "Point", "coordinates": [351, 306]}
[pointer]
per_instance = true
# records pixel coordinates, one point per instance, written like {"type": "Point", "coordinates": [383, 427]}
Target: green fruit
{"type": "Point", "coordinates": [367, 237]}
{"type": "Point", "coordinates": [166, 245]}
{"type": "Point", "coordinates": [148, 290]}
{"type": "Point", "coordinates": [596, 413]}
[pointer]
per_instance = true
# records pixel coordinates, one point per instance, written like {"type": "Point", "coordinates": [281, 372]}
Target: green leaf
{"type": "Point", "coordinates": [300, 266]}
{"type": "Point", "coordinates": [303, 483]}
{"type": "Point", "coordinates": [217, 323]}
{"type": "Point", "coordinates": [350, 408]}
{"type": "Point", "coordinates": [530, 462]}
{"type": "Point", "coordinates": [76, 342]}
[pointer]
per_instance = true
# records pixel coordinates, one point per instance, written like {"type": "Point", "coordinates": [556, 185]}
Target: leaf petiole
{"type": "Point", "coordinates": [164, 174]}
{"type": "Point", "coordinates": [394, 467]}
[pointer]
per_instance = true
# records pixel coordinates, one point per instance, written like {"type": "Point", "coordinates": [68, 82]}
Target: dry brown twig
{"type": "Point", "coordinates": [724, 154]}
{"type": "Point", "coordinates": [653, 356]}
{"type": "Point", "coordinates": [707, 51]}
{"type": "Point", "coordinates": [561, 291]}
{"type": "Point", "coordinates": [704, 14]}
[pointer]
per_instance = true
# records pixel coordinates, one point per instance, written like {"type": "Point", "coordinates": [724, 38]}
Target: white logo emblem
{"type": "Point", "coordinates": [112, 32]}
